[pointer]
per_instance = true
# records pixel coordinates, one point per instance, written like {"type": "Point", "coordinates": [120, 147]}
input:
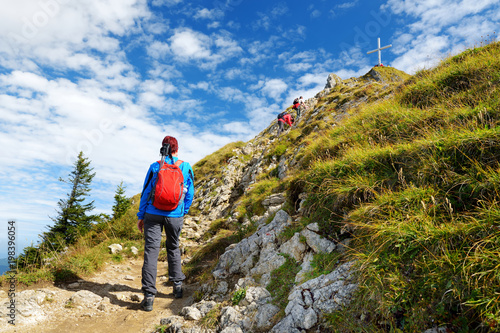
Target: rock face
{"type": "Point", "coordinates": [332, 81]}
{"type": "Point", "coordinates": [258, 256]}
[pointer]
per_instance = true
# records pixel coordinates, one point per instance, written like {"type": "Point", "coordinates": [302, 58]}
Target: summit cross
{"type": "Point", "coordinates": [379, 49]}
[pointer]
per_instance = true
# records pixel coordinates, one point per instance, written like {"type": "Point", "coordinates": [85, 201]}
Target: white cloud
{"type": "Point", "coordinates": [207, 51]}
{"type": "Point", "coordinates": [299, 62]}
{"type": "Point", "coordinates": [238, 127]}
{"type": "Point", "coordinates": [266, 20]}
{"type": "Point", "coordinates": [158, 50]}
{"type": "Point", "coordinates": [55, 32]}
{"type": "Point", "coordinates": [209, 14]}
{"type": "Point", "coordinates": [187, 44]}
{"type": "Point", "coordinates": [168, 3]}
{"type": "Point", "coordinates": [347, 5]}
{"type": "Point", "coordinates": [203, 85]}
{"type": "Point", "coordinates": [213, 25]}
{"type": "Point", "coordinates": [441, 27]}
{"type": "Point", "coordinates": [424, 52]}
{"type": "Point", "coordinates": [274, 88]}
{"type": "Point", "coordinates": [315, 13]}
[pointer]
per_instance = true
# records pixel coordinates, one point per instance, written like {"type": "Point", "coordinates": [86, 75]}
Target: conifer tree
{"type": "Point", "coordinates": [73, 217]}
{"type": "Point", "coordinates": [122, 203]}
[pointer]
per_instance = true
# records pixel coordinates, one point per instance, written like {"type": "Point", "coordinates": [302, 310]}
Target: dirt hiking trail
{"type": "Point", "coordinates": [119, 286]}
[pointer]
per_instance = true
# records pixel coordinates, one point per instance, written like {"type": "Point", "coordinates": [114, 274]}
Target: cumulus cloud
{"type": "Point", "coordinates": [56, 32]}
{"type": "Point", "coordinates": [266, 20]}
{"type": "Point", "coordinates": [188, 45]}
{"type": "Point", "coordinates": [439, 27]}
{"type": "Point", "coordinates": [274, 88]}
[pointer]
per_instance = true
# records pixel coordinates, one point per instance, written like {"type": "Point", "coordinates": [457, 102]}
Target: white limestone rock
{"type": "Point", "coordinates": [84, 298]}
{"type": "Point", "coordinates": [115, 248]}
{"type": "Point", "coordinates": [318, 243]}
{"type": "Point", "coordinates": [191, 313]}
{"type": "Point", "coordinates": [294, 247]}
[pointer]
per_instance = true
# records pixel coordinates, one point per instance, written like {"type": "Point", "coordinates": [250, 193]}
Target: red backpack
{"type": "Point", "coordinates": [169, 186]}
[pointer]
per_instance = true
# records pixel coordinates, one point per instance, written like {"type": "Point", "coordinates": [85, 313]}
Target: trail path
{"type": "Point", "coordinates": [121, 284]}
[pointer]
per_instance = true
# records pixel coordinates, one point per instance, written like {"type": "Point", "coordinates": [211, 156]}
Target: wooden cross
{"type": "Point", "coordinates": [379, 49]}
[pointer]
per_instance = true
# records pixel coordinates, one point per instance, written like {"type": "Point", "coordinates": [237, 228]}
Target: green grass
{"type": "Point", "coordinates": [210, 166]}
{"type": "Point", "coordinates": [323, 263]}
{"type": "Point", "coordinates": [238, 295]}
{"type": "Point", "coordinates": [212, 318]}
{"type": "Point", "coordinates": [282, 281]}
{"type": "Point", "coordinates": [87, 256]}
{"type": "Point", "coordinates": [416, 180]}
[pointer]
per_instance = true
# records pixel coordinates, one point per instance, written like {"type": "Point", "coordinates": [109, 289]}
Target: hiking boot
{"type": "Point", "coordinates": [178, 291]}
{"type": "Point", "coordinates": [147, 302]}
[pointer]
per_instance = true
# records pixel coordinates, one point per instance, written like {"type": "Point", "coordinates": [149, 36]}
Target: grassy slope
{"type": "Point", "coordinates": [416, 180]}
{"type": "Point", "coordinates": [411, 175]}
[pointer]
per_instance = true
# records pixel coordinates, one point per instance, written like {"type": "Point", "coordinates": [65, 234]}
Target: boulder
{"type": "Point", "coordinates": [115, 248]}
{"type": "Point", "coordinates": [318, 243]}
{"type": "Point", "coordinates": [332, 81]}
{"type": "Point", "coordinates": [191, 313]}
{"type": "Point", "coordinates": [84, 298]}
{"type": "Point", "coordinates": [294, 247]}
{"type": "Point", "coordinates": [308, 301]}
{"type": "Point", "coordinates": [274, 200]}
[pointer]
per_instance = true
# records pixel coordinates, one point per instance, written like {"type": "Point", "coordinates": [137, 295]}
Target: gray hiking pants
{"type": "Point", "coordinates": [153, 227]}
{"type": "Point", "coordinates": [281, 126]}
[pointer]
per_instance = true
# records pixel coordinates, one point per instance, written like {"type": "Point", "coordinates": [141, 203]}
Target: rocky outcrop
{"type": "Point", "coordinates": [249, 264]}
{"type": "Point", "coordinates": [28, 307]}
{"type": "Point", "coordinates": [309, 301]}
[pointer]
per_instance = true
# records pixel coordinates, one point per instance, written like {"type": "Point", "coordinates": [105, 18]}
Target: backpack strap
{"type": "Point", "coordinates": [147, 182]}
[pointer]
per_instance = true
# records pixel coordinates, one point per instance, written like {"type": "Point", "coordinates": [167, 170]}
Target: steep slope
{"type": "Point", "coordinates": [241, 194]}
{"type": "Point", "coordinates": [396, 181]}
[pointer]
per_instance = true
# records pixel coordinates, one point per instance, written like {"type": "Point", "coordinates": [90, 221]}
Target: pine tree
{"type": "Point", "coordinates": [73, 218]}
{"type": "Point", "coordinates": [122, 203]}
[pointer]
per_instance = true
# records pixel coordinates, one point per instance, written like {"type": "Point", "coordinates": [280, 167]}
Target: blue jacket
{"type": "Point", "coordinates": [183, 208]}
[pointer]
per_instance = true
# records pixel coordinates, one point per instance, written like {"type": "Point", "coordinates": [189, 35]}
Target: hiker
{"type": "Point", "coordinates": [153, 220]}
{"type": "Point", "coordinates": [284, 118]}
{"type": "Point", "coordinates": [301, 106]}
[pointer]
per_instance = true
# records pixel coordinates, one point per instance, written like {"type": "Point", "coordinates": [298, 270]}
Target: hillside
{"type": "Point", "coordinates": [376, 212]}
{"type": "Point", "coordinates": [398, 173]}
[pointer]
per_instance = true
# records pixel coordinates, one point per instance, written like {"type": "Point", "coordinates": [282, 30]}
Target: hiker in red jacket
{"type": "Point", "coordinates": [284, 118]}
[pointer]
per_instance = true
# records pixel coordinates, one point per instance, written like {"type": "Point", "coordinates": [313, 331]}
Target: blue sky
{"type": "Point", "coordinates": [113, 77]}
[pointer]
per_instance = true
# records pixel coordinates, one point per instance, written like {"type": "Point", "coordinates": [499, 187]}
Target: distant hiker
{"type": "Point", "coordinates": [284, 118]}
{"type": "Point", "coordinates": [301, 106]}
{"type": "Point", "coordinates": [166, 197]}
